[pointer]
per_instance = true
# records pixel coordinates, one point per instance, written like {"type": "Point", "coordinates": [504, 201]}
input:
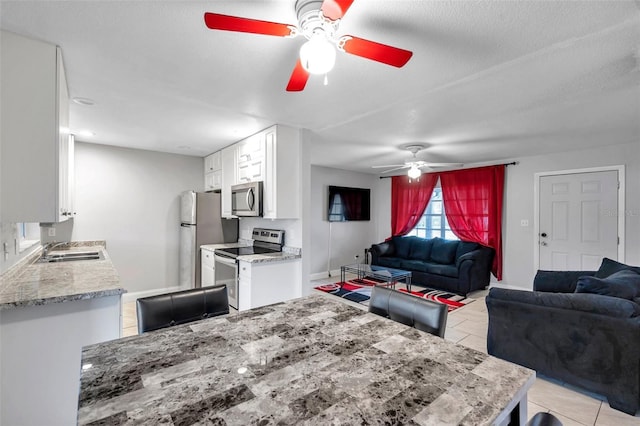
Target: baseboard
{"type": "Point", "coordinates": [131, 297]}
{"type": "Point", "coordinates": [324, 275]}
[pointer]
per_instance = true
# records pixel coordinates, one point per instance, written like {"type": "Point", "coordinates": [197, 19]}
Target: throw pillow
{"type": "Point", "coordinates": [624, 284]}
{"type": "Point", "coordinates": [421, 249]}
{"type": "Point", "coordinates": [608, 267]}
{"type": "Point", "coordinates": [443, 251]}
{"type": "Point", "coordinates": [403, 246]}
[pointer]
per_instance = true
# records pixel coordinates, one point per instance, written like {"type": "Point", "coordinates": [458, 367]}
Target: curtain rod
{"type": "Point", "coordinates": [513, 163]}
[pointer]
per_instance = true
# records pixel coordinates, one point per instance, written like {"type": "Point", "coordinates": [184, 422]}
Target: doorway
{"type": "Point", "coordinates": [577, 218]}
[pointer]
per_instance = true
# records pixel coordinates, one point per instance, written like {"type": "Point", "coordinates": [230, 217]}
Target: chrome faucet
{"type": "Point", "coordinates": [50, 246]}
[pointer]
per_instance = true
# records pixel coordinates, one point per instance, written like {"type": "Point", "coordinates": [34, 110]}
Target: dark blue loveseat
{"type": "Point", "coordinates": [455, 266]}
{"type": "Point", "coordinates": [579, 327]}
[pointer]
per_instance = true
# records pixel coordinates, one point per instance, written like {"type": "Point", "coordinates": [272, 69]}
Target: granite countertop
{"type": "Point", "coordinates": [309, 361]}
{"type": "Point", "coordinates": [287, 253]}
{"type": "Point", "coordinates": [33, 283]}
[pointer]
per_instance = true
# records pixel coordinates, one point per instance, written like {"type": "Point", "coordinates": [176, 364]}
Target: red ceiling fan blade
{"type": "Point", "coordinates": [298, 79]}
{"type": "Point", "coordinates": [375, 51]}
{"type": "Point", "coordinates": [215, 21]}
{"type": "Point", "coordinates": [335, 9]}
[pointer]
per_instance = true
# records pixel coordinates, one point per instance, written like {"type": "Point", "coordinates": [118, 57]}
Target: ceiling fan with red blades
{"type": "Point", "coordinates": [318, 22]}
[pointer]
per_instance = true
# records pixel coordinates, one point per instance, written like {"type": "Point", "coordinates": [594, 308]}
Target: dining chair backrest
{"type": "Point", "coordinates": [181, 307]}
{"type": "Point", "coordinates": [417, 312]}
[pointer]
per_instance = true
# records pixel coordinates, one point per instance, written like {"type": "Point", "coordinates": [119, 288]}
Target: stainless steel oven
{"type": "Point", "coordinates": [226, 260]}
{"type": "Point", "coordinates": [226, 272]}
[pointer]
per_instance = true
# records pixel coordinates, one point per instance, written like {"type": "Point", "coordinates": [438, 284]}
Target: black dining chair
{"type": "Point", "coordinates": [544, 419]}
{"type": "Point", "coordinates": [181, 307]}
{"type": "Point", "coordinates": [417, 312]}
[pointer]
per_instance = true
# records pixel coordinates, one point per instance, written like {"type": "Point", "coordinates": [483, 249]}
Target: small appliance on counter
{"type": "Point", "coordinates": [226, 259]}
{"type": "Point", "coordinates": [201, 223]}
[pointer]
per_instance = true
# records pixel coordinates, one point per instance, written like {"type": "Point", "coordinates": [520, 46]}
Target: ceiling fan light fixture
{"type": "Point", "coordinates": [414, 172]}
{"type": "Point", "coordinates": [318, 55]}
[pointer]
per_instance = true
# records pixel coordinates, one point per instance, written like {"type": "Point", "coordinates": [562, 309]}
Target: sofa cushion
{"type": "Point", "coordinates": [443, 251]}
{"type": "Point", "coordinates": [445, 270]}
{"type": "Point", "coordinates": [390, 262]}
{"type": "Point", "coordinates": [624, 284]}
{"type": "Point", "coordinates": [420, 249]}
{"type": "Point", "coordinates": [465, 247]}
{"type": "Point", "coordinates": [403, 246]}
{"type": "Point", "coordinates": [414, 265]}
{"type": "Point", "coordinates": [609, 266]}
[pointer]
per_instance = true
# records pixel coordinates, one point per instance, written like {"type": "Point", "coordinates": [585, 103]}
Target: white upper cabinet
{"type": "Point", "coordinates": [281, 193]}
{"type": "Point", "coordinates": [213, 171]}
{"type": "Point", "coordinates": [37, 152]}
{"type": "Point", "coordinates": [271, 156]}
{"type": "Point", "coordinates": [251, 159]}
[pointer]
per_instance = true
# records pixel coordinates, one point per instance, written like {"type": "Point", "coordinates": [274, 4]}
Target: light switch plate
{"type": "Point", "coordinates": [524, 222]}
{"type": "Point", "coordinates": [52, 231]}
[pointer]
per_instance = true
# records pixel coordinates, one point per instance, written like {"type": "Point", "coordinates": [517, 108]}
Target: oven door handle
{"type": "Point", "coordinates": [225, 260]}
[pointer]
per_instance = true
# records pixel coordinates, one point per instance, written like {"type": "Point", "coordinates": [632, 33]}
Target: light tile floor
{"type": "Point", "coordinates": [468, 326]}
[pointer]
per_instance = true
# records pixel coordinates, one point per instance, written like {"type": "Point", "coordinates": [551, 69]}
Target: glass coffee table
{"type": "Point", "coordinates": [388, 277]}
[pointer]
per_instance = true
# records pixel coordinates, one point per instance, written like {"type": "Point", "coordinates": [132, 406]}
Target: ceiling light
{"type": "Point", "coordinates": [318, 56]}
{"type": "Point", "coordinates": [414, 172]}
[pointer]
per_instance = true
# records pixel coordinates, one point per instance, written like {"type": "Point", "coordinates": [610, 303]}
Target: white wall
{"type": "Point", "coordinates": [519, 241]}
{"type": "Point", "coordinates": [346, 239]}
{"type": "Point", "coordinates": [130, 198]}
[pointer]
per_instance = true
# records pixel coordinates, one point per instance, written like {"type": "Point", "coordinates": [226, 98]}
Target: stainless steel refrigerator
{"type": "Point", "coordinates": [201, 223]}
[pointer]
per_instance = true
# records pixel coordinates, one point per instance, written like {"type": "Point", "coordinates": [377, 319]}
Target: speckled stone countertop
{"type": "Point", "coordinates": [34, 283]}
{"type": "Point", "coordinates": [309, 361]}
{"type": "Point", "coordinates": [287, 253]}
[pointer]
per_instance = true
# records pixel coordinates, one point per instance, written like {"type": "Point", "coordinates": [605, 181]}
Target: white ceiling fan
{"type": "Point", "coordinates": [414, 165]}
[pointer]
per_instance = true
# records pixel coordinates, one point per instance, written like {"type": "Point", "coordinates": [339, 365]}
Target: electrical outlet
{"type": "Point", "coordinates": [524, 222]}
{"type": "Point", "coordinates": [52, 231]}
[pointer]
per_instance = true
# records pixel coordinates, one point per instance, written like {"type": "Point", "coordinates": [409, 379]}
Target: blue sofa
{"type": "Point", "coordinates": [579, 327]}
{"type": "Point", "coordinates": [455, 266]}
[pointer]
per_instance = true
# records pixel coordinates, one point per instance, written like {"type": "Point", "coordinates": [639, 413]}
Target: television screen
{"type": "Point", "coordinates": [347, 204]}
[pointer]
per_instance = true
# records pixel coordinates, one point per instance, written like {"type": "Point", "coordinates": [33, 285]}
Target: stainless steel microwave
{"type": "Point", "coordinates": [246, 199]}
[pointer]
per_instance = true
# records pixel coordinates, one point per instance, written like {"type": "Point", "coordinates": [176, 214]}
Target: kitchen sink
{"type": "Point", "coordinates": [71, 257]}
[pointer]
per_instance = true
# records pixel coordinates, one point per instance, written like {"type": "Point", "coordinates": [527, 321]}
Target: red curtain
{"type": "Point", "coordinates": [409, 199]}
{"type": "Point", "coordinates": [473, 205]}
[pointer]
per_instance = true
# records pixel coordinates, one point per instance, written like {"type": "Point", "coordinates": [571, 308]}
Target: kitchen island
{"type": "Point", "coordinates": [48, 312]}
{"type": "Point", "coordinates": [313, 360]}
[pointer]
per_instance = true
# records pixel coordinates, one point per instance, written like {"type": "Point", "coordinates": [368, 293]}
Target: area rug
{"type": "Point", "coordinates": [360, 291]}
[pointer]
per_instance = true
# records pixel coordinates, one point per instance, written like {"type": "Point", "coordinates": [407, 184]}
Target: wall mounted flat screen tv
{"type": "Point", "coordinates": [347, 204]}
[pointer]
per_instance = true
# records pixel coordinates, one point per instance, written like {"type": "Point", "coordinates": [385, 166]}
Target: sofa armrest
{"type": "Point", "coordinates": [472, 255]}
{"type": "Point", "coordinates": [558, 281]}
{"type": "Point", "coordinates": [582, 302]}
{"type": "Point", "coordinates": [382, 249]}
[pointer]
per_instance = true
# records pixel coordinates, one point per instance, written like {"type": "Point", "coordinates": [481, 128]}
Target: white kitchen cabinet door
{"type": "Point", "coordinates": [208, 268]}
{"type": "Point", "coordinates": [251, 170]}
{"type": "Point", "coordinates": [281, 193]}
{"type": "Point", "coordinates": [32, 73]}
{"type": "Point", "coordinates": [213, 162]}
{"type": "Point", "coordinates": [213, 181]}
{"type": "Point", "coordinates": [228, 178]}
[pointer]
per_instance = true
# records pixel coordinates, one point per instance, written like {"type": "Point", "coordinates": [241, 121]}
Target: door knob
{"type": "Point", "coordinates": [544, 234]}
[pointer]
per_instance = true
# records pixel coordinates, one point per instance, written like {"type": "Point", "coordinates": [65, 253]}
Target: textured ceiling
{"type": "Point", "coordinates": [488, 81]}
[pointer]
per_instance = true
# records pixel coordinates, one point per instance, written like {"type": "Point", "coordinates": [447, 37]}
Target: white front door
{"type": "Point", "coordinates": [578, 220]}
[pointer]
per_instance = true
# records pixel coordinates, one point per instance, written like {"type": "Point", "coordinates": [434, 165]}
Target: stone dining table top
{"type": "Point", "coordinates": [308, 361]}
